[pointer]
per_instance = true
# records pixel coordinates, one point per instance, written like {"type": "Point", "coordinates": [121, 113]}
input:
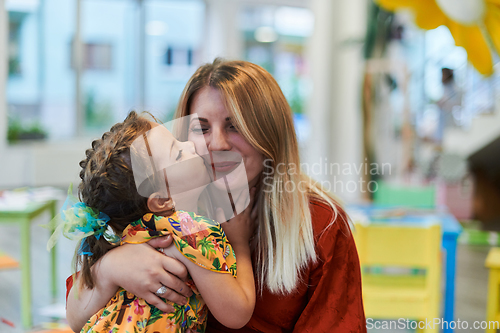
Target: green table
{"type": "Point", "coordinates": [23, 218]}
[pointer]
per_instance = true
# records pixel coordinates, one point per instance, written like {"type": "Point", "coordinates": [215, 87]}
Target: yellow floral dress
{"type": "Point", "coordinates": [199, 239]}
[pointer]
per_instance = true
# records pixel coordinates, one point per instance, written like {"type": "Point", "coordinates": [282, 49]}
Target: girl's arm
{"type": "Point", "coordinates": [82, 302]}
{"type": "Point", "coordinates": [230, 300]}
{"type": "Point", "coordinates": [139, 269]}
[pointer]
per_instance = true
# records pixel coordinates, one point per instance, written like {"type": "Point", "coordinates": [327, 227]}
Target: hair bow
{"type": "Point", "coordinates": [78, 221]}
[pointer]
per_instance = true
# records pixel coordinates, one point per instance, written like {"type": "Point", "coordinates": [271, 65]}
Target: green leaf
{"type": "Point", "coordinates": [190, 256]}
{"type": "Point", "coordinates": [152, 320]}
{"type": "Point", "coordinates": [215, 230]}
{"type": "Point", "coordinates": [216, 264]}
{"type": "Point", "coordinates": [210, 221]}
{"type": "Point", "coordinates": [136, 223]}
{"type": "Point", "coordinates": [233, 268]}
{"type": "Point", "coordinates": [182, 244]}
{"type": "Point", "coordinates": [206, 247]}
{"type": "Point", "coordinates": [154, 310]}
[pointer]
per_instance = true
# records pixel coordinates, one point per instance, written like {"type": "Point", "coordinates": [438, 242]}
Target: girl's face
{"type": "Point", "coordinates": [226, 146]}
{"type": "Point", "coordinates": [185, 170]}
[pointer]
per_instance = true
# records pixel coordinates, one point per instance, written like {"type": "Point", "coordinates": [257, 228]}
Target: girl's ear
{"type": "Point", "coordinates": [157, 203]}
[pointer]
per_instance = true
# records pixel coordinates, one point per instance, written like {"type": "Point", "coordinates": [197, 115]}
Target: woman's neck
{"type": "Point", "coordinates": [188, 200]}
{"type": "Point", "coordinates": [188, 206]}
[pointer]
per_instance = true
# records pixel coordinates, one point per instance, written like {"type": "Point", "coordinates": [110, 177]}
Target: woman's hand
{"type": "Point", "coordinates": [139, 269]}
{"type": "Point", "coordinates": [142, 270]}
{"type": "Point", "coordinates": [241, 227]}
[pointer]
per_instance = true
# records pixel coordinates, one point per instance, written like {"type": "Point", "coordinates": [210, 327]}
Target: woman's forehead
{"type": "Point", "coordinates": [209, 105]}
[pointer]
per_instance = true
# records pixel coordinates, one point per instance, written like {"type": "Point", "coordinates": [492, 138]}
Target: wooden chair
{"type": "Point", "coordinates": [493, 303]}
{"type": "Point", "coordinates": [401, 249]}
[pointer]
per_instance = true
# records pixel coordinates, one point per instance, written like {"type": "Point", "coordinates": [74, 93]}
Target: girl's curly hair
{"type": "Point", "coordinates": [108, 186]}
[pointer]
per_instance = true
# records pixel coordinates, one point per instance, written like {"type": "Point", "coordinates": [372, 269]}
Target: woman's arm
{"type": "Point", "coordinates": [139, 269]}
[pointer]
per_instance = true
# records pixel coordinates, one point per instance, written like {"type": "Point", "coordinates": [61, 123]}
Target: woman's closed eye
{"type": "Point", "coordinates": [179, 155]}
{"type": "Point", "coordinates": [198, 130]}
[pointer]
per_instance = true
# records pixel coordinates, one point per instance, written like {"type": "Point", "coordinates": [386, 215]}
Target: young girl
{"type": "Point", "coordinates": [110, 198]}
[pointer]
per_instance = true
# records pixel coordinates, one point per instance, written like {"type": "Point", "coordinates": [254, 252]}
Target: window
{"type": "Point", "coordinates": [178, 57]}
{"type": "Point", "coordinates": [14, 44]}
{"type": "Point", "coordinates": [275, 38]}
{"type": "Point", "coordinates": [123, 69]}
{"type": "Point", "coordinates": [97, 56]}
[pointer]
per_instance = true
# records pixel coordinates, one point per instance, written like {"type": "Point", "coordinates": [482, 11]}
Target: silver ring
{"type": "Point", "coordinates": [161, 291]}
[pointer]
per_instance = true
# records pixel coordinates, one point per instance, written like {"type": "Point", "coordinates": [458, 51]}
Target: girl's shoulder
{"type": "Point", "coordinates": [201, 240]}
{"type": "Point", "coordinates": [189, 222]}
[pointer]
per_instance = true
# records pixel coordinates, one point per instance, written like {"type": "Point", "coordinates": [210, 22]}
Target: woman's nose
{"type": "Point", "coordinates": [218, 141]}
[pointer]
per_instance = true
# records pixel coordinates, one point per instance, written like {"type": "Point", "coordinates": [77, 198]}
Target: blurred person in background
{"type": "Point", "coordinates": [449, 103]}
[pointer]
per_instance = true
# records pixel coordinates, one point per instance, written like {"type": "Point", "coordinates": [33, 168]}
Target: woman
{"type": "Point", "coordinates": [305, 261]}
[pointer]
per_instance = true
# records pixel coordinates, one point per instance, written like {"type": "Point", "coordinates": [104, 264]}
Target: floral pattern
{"type": "Point", "coordinates": [199, 239]}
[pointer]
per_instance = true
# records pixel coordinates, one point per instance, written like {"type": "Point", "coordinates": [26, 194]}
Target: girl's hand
{"type": "Point", "coordinates": [142, 270]}
{"type": "Point", "coordinates": [241, 227]}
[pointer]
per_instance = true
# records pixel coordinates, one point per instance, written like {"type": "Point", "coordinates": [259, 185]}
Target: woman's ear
{"type": "Point", "coordinates": [157, 203]}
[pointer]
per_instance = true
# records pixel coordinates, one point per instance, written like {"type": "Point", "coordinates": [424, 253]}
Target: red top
{"type": "Point", "coordinates": [331, 299]}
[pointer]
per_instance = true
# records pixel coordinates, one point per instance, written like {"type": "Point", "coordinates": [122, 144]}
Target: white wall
{"type": "Point", "coordinates": [484, 129]}
{"type": "Point", "coordinates": [222, 36]}
{"type": "Point", "coordinates": [336, 61]}
{"type": "Point", "coordinates": [40, 164]}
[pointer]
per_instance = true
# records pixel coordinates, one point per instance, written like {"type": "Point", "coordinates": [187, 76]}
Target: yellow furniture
{"type": "Point", "coordinates": [493, 305]}
{"type": "Point", "coordinates": [392, 287]}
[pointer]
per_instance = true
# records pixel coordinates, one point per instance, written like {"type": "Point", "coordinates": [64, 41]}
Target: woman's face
{"type": "Point", "coordinates": [215, 131]}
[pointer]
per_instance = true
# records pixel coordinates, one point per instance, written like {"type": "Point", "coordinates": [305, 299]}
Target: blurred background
{"type": "Point", "coordinates": [396, 110]}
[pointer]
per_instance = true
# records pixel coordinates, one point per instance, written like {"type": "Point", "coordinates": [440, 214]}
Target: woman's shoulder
{"type": "Point", "coordinates": [328, 219]}
{"type": "Point", "coordinates": [332, 234]}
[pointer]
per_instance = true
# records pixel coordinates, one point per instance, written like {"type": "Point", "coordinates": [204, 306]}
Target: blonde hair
{"type": "Point", "coordinates": [284, 242]}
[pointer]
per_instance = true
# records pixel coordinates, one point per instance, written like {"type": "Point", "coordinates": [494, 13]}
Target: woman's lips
{"type": "Point", "coordinates": [224, 166]}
